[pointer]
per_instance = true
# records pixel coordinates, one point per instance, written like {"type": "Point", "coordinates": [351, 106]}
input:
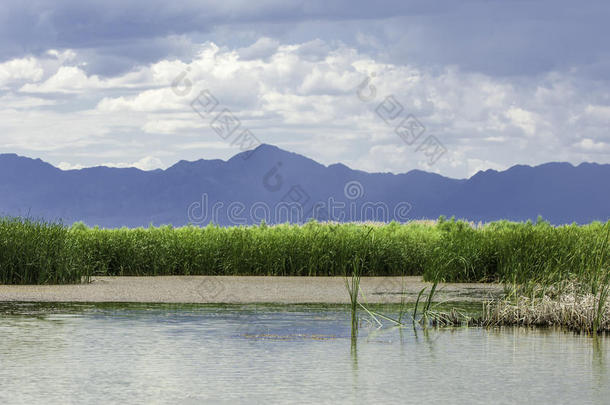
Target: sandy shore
{"type": "Point", "coordinates": [230, 289]}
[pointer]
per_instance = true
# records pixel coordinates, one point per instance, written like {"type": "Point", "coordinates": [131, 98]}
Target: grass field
{"type": "Point", "coordinates": [35, 252]}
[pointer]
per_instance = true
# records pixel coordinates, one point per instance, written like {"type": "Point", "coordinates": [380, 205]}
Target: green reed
{"type": "Point", "coordinates": [352, 284]}
{"type": "Point", "coordinates": [37, 252]}
{"type": "Point", "coordinates": [536, 253]}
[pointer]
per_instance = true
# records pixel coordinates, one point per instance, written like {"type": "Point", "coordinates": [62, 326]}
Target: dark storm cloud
{"type": "Point", "coordinates": [69, 23]}
{"type": "Point", "coordinates": [523, 37]}
{"type": "Point", "coordinates": [494, 37]}
{"type": "Point", "coordinates": [135, 32]}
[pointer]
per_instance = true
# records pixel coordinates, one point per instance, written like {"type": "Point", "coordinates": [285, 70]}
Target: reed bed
{"type": "Point", "coordinates": [38, 252]}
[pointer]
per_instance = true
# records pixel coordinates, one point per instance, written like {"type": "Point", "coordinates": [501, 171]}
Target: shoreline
{"type": "Point", "coordinates": [244, 289]}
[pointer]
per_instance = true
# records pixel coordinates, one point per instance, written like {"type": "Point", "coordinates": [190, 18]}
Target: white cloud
{"type": "Point", "coordinates": [17, 70]}
{"type": "Point", "coordinates": [149, 163]}
{"type": "Point", "coordinates": [590, 145]}
{"type": "Point", "coordinates": [303, 97]}
{"type": "Point", "coordinates": [12, 101]}
{"type": "Point", "coordinates": [477, 165]}
{"type": "Point", "coordinates": [523, 119]}
{"type": "Point", "coordinates": [146, 101]}
{"type": "Point", "coordinates": [171, 126]}
{"type": "Point", "coordinates": [68, 79]}
{"type": "Point", "coordinates": [74, 80]}
{"type": "Point", "coordinates": [146, 163]}
{"type": "Point", "coordinates": [69, 166]}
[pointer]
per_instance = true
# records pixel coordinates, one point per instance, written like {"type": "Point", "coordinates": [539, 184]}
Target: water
{"type": "Point", "coordinates": [294, 354]}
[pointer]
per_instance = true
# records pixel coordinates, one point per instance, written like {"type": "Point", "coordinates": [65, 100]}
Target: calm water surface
{"type": "Point", "coordinates": [164, 354]}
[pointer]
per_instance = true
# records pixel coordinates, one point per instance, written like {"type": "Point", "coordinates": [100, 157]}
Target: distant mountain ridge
{"type": "Point", "coordinates": [278, 186]}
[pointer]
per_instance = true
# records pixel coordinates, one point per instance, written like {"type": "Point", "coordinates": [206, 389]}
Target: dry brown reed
{"type": "Point", "coordinates": [573, 311]}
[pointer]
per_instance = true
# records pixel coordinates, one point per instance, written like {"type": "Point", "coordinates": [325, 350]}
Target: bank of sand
{"type": "Point", "coordinates": [234, 289]}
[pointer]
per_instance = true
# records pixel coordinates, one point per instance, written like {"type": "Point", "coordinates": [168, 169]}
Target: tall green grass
{"type": "Point", "coordinates": [516, 253]}
{"type": "Point", "coordinates": [34, 252]}
{"type": "Point", "coordinates": [313, 249]}
{"type": "Point", "coordinates": [37, 252]}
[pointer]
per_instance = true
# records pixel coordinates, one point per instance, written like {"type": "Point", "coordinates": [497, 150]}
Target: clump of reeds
{"type": "Point", "coordinates": [581, 313]}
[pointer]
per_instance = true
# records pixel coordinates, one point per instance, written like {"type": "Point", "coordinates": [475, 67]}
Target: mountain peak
{"type": "Point", "coordinates": [265, 147]}
{"type": "Point", "coordinates": [262, 149]}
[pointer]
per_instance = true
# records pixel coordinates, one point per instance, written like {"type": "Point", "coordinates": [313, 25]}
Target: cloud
{"type": "Point", "coordinates": [525, 120]}
{"type": "Point", "coordinates": [13, 101]}
{"type": "Point", "coordinates": [149, 100]}
{"type": "Point", "coordinates": [73, 79]}
{"type": "Point", "coordinates": [68, 79]}
{"type": "Point", "coordinates": [69, 166]}
{"type": "Point", "coordinates": [19, 70]}
{"type": "Point", "coordinates": [303, 96]}
{"type": "Point", "coordinates": [146, 163]}
{"type": "Point", "coordinates": [494, 38]}
{"type": "Point", "coordinates": [477, 165]}
{"type": "Point", "coordinates": [261, 49]}
{"type": "Point", "coordinates": [599, 113]}
{"type": "Point", "coordinates": [590, 145]}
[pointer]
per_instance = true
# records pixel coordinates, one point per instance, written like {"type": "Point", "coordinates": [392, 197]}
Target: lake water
{"type": "Point", "coordinates": [122, 354]}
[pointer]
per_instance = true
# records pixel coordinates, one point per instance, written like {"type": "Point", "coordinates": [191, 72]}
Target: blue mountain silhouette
{"type": "Point", "coordinates": [278, 186]}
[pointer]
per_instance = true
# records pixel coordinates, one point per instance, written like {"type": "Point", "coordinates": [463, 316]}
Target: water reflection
{"type": "Point", "coordinates": [194, 354]}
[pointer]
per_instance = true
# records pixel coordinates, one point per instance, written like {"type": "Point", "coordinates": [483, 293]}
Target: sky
{"type": "Point", "coordinates": [386, 86]}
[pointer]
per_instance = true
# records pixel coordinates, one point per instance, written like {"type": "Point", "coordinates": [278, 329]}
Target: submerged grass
{"type": "Point", "coordinates": [429, 316]}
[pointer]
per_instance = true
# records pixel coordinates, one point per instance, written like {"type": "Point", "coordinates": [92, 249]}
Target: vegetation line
{"type": "Point", "coordinates": [36, 252]}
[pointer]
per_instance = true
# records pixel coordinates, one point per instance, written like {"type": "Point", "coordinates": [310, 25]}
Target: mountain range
{"type": "Point", "coordinates": [274, 185]}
